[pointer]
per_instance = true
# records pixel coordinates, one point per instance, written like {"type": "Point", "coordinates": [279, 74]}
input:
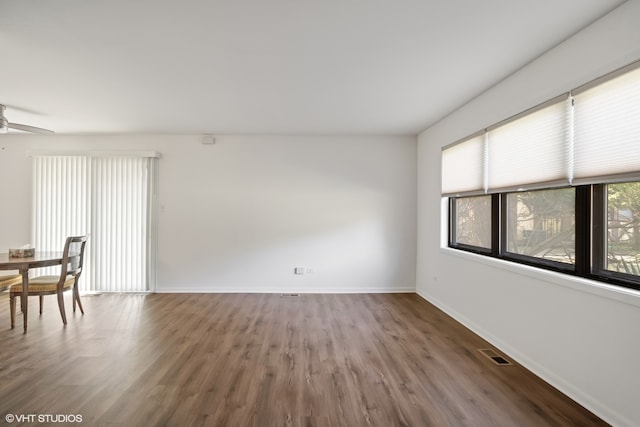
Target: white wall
{"type": "Point", "coordinates": [239, 215]}
{"type": "Point", "coordinates": [580, 336]}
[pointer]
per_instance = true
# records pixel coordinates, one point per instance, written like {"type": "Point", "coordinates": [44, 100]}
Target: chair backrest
{"type": "Point", "coordinates": [73, 257]}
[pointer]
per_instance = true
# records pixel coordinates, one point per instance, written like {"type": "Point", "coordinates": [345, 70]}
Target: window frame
{"type": "Point", "coordinates": [452, 235]}
{"type": "Point", "coordinates": [590, 238]}
{"type": "Point", "coordinates": [527, 259]}
{"type": "Point", "coordinates": [599, 244]}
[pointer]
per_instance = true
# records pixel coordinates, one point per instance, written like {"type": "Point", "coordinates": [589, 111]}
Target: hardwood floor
{"type": "Point", "coordinates": [266, 360]}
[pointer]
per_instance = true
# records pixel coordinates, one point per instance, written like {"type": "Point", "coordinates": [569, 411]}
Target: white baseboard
{"type": "Point", "coordinates": [306, 290]}
{"type": "Point", "coordinates": [550, 377]}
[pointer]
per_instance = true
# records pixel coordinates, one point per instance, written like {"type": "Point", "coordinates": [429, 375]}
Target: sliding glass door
{"type": "Point", "coordinates": [108, 198]}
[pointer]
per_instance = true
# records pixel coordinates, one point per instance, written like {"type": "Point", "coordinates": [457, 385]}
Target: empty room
{"type": "Point", "coordinates": [332, 213]}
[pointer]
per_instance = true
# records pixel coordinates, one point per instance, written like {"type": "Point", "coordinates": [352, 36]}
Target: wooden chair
{"type": "Point", "coordinates": [72, 260]}
{"type": "Point", "coordinates": [9, 280]}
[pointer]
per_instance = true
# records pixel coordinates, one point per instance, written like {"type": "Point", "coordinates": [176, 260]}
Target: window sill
{"type": "Point", "coordinates": [616, 293]}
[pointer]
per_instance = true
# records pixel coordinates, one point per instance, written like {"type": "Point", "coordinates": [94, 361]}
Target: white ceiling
{"type": "Point", "coordinates": [266, 66]}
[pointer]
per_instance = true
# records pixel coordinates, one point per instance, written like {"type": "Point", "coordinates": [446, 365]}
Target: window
{"type": "Point", "coordinates": [472, 216]}
{"type": "Point", "coordinates": [541, 224]}
{"type": "Point", "coordinates": [623, 228]}
{"type": "Point", "coordinates": [560, 184]}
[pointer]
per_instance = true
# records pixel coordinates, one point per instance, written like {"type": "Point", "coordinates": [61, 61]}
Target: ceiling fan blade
{"type": "Point", "coordinates": [27, 128]}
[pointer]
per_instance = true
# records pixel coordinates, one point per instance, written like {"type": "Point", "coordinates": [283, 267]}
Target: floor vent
{"type": "Point", "coordinates": [289, 295]}
{"type": "Point", "coordinates": [494, 356]}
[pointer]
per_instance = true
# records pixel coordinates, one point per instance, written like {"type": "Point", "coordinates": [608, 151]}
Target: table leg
{"type": "Point", "coordinates": [25, 295]}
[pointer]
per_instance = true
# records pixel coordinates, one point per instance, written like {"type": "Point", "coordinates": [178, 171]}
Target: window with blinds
{"type": "Point", "coordinates": [562, 184]}
{"type": "Point", "coordinates": [110, 199]}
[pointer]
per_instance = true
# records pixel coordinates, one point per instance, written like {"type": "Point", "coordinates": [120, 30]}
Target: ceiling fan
{"type": "Point", "coordinates": [5, 125]}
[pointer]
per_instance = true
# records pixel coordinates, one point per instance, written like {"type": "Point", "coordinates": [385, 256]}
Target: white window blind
{"type": "Point", "coordinates": [119, 186]}
{"type": "Point", "coordinates": [531, 151]}
{"type": "Point", "coordinates": [61, 204]}
{"type": "Point", "coordinates": [107, 198]}
{"type": "Point", "coordinates": [591, 137]}
{"type": "Point", "coordinates": [463, 167]}
{"type": "Point", "coordinates": [607, 130]}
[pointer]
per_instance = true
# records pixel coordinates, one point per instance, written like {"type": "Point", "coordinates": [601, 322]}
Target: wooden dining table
{"type": "Point", "coordinates": [23, 265]}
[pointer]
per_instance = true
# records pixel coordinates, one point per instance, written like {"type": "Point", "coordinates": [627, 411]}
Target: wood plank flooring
{"type": "Point", "coordinates": [266, 360]}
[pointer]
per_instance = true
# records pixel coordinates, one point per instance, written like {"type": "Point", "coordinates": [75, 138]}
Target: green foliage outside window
{"type": "Point", "coordinates": [542, 224]}
{"type": "Point", "coordinates": [623, 227]}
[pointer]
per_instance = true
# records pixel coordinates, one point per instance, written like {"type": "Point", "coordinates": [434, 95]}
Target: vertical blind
{"type": "Point", "coordinates": [119, 187]}
{"type": "Point", "coordinates": [588, 137]}
{"type": "Point", "coordinates": [61, 204]}
{"type": "Point", "coordinates": [107, 198]}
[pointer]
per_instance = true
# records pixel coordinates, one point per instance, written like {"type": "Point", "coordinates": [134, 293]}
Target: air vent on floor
{"type": "Point", "coordinates": [494, 356]}
{"type": "Point", "coordinates": [289, 295]}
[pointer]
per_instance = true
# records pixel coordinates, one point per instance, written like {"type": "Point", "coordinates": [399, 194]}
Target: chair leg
{"type": "Point", "coordinates": [61, 306]}
{"type": "Point", "coordinates": [12, 307]}
{"type": "Point", "coordinates": [41, 303]}
{"type": "Point", "coordinates": [76, 298]}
